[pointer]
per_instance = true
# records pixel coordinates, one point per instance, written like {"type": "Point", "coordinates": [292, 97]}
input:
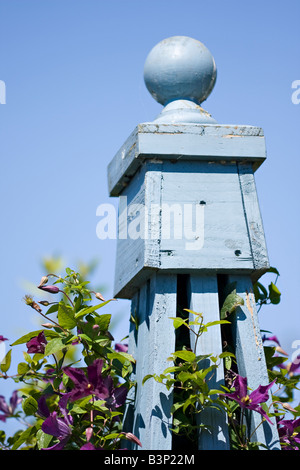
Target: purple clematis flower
{"type": "Point", "coordinates": [55, 425]}
{"type": "Point", "coordinates": [9, 410]}
{"type": "Point", "coordinates": [289, 438]}
{"type": "Point", "coordinates": [37, 344]}
{"type": "Point", "coordinates": [116, 395]}
{"type": "Point", "coordinates": [90, 384]}
{"type": "Point", "coordinates": [252, 401]}
{"type": "Point", "coordinates": [3, 339]}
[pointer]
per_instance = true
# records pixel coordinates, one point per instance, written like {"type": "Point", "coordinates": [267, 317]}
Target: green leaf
{"type": "Point", "coordinates": [24, 436]}
{"type": "Point", "coordinates": [66, 317]}
{"type": "Point", "coordinates": [29, 406]}
{"type": "Point", "coordinates": [147, 377]}
{"type": "Point", "coordinates": [27, 357]}
{"type": "Point", "coordinates": [6, 362]}
{"type": "Point", "coordinates": [103, 321]}
{"type": "Point", "coordinates": [177, 322]}
{"type": "Point", "coordinates": [32, 334]}
{"type": "Point", "coordinates": [260, 292]}
{"type": "Point", "coordinates": [43, 439]}
{"type": "Point", "coordinates": [183, 376]}
{"type": "Point", "coordinates": [232, 301]}
{"type": "Point", "coordinates": [87, 310]}
{"type": "Point", "coordinates": [23, 368]}
{"type": "Point", "coordinates": [54, 346]}
{"type": "Point", "coordinates": [185, 355]}
{"type": "Point", "coordinates": [217, 322]}
{"type": "Point", "coordinates": [274, 293]}
{"type": "Point", "coordinates": [273, 270]}
{"type": "Point", "coordinates": [52, 309]}
{"type": "Point", "coordinates": [121, 356]}
{"type": "Point", "coordinates": [113, 435]}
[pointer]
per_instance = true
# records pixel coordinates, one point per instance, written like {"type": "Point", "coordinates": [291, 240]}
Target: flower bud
{"type": "Point", "coordinates": [44, 302]}
{"type": "Point", "coordinates": [44, 281]}
{"type": "Point", "coordinates": [131, 437]}
{"type": "Point", "coordinates": [289, 407]}
{"type": "Point", "coordinates": [99, 296]}
{"type": "Point", "coordinates": [51, 289]}
{"type": "Point", "coordinates": [48, 325]}
{"type": "Point", "coordinates": [89, 433]}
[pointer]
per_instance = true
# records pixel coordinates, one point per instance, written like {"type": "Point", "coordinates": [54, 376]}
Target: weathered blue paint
{"type": "Point", "coordinates": [204, 298]}
{"type": "Point", "coordinates": [218, 227]}
{"type": "Point", "coordinates": [151, 344]}
{"type": "Point", "coordinates": [192, 64]}
{"type": "Point", "coordinates": [186, 141]}
{"type": "Point", "coordinates": [250, 356]}
{"type": "Point", "coordinates": [185, 161]}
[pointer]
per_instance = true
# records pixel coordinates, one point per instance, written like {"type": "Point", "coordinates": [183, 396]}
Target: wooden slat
{"type": "Point", "coordinates": [128, 422]}
{"type": "Point", "coordinates": [204, 299]}
{"type": "Point", "coordinates": [156, 341]}
{"type": "Point", "coordinates": [250, 356]}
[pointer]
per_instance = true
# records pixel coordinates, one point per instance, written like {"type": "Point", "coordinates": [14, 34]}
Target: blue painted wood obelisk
{"type": "Point", "coordinates": [189, 222]}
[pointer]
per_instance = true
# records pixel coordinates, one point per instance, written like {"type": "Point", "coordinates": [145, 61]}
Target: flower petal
{"type": "Point", "coordinates": [56, 426]}
{"type": "Point", "coordinates": [261, 394]}
{"type": "Point", "coordinates": [77, 376]}
{"type": "Point", "coordinates": [94, 372]}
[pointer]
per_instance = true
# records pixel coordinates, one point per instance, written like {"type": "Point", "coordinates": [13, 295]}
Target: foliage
{"type": "Point", "coordinates": [68, 402]}
{"type": "Point", "coordinates": [72, 386]}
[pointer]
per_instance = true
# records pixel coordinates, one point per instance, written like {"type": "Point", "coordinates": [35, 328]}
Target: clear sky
{"type": "Point", "coordinates": [73, 71]}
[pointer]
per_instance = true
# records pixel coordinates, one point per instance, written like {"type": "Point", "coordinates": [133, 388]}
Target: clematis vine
{"type": "Point", "coordinates": [252, 401]}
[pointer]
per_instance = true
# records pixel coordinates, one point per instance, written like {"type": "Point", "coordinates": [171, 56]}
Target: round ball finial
{"type": "Point", "coordinates": [180, 68]}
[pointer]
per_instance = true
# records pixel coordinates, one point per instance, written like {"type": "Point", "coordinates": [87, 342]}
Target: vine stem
{"type": "Point", "coordinates": [67, 297]}
{"type": "Point", "coordinates": [56, 324]}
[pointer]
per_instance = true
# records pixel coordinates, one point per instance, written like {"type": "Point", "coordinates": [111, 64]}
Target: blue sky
{"type": "Point", "coordinates": [73, 71]}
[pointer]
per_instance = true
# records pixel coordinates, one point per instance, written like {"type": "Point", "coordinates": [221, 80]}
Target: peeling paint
{"type": "Point", "coordinates": [250, 309]}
